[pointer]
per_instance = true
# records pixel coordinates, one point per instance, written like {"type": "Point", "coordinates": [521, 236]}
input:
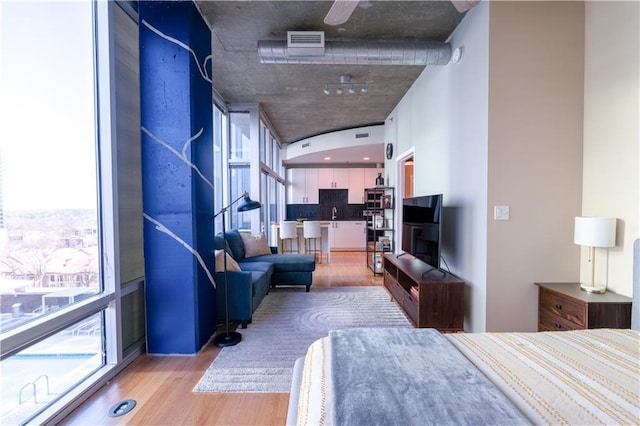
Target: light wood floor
{"type": "Point", "coordinates": [162, 385]}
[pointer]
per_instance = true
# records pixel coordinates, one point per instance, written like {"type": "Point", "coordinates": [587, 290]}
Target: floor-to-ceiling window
{"type": "Point", "coordinates": [72, 138]}
{"type": "Point", "coordinates": [56, 320]}
{"type": "Point", "coordinates": [272, 182]}
{"type": "Point", "coordinates": [239, 161]}
{"type": "Point", "coordinates": [254, 165]}
{"type": "Point", "coordinates": [219, 148]}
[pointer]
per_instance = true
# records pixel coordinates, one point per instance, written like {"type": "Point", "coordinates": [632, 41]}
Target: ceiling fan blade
{"type": "Point", "coordinates": [464, 5]}
{"type": "Point", "coordinates": [340, 12]}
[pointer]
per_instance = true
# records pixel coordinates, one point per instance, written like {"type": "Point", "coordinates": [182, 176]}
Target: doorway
{"type": "Point", "coordinates": [407, 166]}
{"type": "Point", "coordinates": [405, 178]}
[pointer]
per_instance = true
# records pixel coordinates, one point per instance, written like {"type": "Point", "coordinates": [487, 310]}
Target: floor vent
{"type": "Point", "coordinates": [121, 408]}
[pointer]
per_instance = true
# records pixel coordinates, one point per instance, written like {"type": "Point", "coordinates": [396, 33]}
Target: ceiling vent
{"type": "Point", "coordinates": [305, 43]}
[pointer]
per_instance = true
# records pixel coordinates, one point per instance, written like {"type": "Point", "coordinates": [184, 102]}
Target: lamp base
{"type": "Point", "coordinates": [223, 340]}
{"type": "Point", "coordinates": [599, 289]}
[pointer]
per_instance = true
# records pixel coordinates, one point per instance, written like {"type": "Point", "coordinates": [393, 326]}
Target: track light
{"type": "Point", "coordinates": [345, 85]}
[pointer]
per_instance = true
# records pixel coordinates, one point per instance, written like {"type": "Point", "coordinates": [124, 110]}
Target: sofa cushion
{"type": "Point", "coordinates": [261, 285]}
{"type": "Point", "coordinates": [235, 244]}
{"type": "Point", "coordinates": [220, 244]}
{"type": "Point", "coordinates": [232, 265]}
{"type": "Point", "coordinates": [286, 262]}
{"type": "Point", "coordinates": [255, 245]}
{"type": "Point", "coordinates": [256, 266]}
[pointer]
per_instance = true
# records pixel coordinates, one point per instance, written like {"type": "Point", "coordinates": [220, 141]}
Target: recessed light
{"type": "Point", "coordinates": [366, 158]}
{"type": "Point", "coordinates": [327, 158]}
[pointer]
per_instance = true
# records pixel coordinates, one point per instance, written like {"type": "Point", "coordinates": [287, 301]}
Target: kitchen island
{"type": "Point", "coordinates": [325, 232]}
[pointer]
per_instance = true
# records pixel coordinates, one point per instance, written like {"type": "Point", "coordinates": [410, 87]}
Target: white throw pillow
{"type": "Point", "coordinates": [255, 245]}
{"type": "Point", "coordinates": [232, 265]}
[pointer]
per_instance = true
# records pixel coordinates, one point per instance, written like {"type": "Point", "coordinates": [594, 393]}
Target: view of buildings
{"type": "Point", "coordinates": [48, 259]}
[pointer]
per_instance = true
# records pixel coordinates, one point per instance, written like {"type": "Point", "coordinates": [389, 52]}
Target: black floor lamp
{"type": "Point", "coordinates": [230, 338]}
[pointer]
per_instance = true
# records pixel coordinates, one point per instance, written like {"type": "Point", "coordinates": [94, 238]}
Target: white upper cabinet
{"type": "Point", "coordinates": [325, 178]}
{"type": "Point", "coordinates": [356, 186]}
{"type": "Point", "coordinates": [370, 176]}
{"type": "Point", "coordinates": [302, 186]}
{"type": "Point", "coordinates": [333, 178]}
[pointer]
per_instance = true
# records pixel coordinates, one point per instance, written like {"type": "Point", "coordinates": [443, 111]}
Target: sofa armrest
{"type": "Point", "coordinates": [239, 292]}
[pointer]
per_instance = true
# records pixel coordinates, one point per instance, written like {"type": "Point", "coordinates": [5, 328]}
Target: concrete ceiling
{"type": "Point", "coordinates": [291, 95]}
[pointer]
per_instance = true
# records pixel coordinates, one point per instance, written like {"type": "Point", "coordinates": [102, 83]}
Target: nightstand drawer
{"type": "Point", "coordinates": [551, 322]}
{"type": "Point", "coordinates": [563, 307]}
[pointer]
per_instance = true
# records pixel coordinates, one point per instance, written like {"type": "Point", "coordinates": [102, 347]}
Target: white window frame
{"type": "Point", "coordinates": [108, 301]}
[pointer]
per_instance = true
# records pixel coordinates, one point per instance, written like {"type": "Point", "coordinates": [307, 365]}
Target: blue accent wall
{"type": "Point", "coordinates": [177, 175]}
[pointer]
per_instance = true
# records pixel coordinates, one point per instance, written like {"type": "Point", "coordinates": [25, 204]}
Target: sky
{"type": "Point", "coordinates": [47, 130]}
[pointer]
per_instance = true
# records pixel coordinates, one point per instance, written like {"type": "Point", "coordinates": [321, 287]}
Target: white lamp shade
{"type": "Point", "coordinates": [595, 231]}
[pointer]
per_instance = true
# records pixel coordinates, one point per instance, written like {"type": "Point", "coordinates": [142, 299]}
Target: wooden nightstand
{"type": "Point", "coordinates": [563, 306]}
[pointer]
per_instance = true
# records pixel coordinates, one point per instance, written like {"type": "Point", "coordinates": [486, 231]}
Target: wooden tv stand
{"type": "Point", "coordinates": [430, 299]}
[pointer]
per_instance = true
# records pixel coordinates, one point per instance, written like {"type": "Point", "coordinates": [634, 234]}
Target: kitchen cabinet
{"type": "Point", "coordinates": [370, 176]}
{"type": "Point", "coordinates": [333, 178]}
{"type": "Point", "coordinates": [356, 186]}
{"type": "Point", "coordinates": [302, 186]}
{"type": "Point", "coordinates": [359, 180]}
{"type": "Point", "coordinates": [347, 235]}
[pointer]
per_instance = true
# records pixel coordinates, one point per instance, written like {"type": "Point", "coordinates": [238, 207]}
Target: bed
{"type": "Point", "coordinates": [379, 376]}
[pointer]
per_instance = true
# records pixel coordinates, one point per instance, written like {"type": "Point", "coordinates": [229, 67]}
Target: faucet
{"type": "Point", "coordinates": [334, 213]}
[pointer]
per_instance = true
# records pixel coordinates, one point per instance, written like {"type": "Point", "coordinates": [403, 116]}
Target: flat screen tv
{"type": "Point", "coordinates": [421, 228]}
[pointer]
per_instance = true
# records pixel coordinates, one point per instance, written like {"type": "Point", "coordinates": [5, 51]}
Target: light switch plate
{"type": "Point", "coordinates": [500, 212]}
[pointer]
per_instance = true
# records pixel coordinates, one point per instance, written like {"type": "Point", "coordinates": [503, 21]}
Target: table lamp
{"type": "Point", "coordinates": [594, 232]}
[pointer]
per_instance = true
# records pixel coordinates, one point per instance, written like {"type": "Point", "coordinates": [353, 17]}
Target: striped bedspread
{"type": "Point", "coordinates": [572, 377]}
{"type": "Point", "coordinates": [581, 377]}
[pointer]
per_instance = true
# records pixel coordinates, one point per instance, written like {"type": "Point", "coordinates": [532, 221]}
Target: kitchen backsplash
{"type": "Point", "coordinates": [328, 199]}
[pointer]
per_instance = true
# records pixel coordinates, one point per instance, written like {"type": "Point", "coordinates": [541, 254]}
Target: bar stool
{"type": "Point", "coordinates": [311, 233]}
{"type": "Point", "coordinates": [288, 233]}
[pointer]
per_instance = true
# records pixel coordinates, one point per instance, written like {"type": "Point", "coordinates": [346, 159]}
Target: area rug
{"type": "Point", "coordinates": [284, 325]}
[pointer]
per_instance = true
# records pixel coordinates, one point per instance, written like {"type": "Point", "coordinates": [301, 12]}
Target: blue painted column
{"type": "Point", "coordinates": [177, 176]}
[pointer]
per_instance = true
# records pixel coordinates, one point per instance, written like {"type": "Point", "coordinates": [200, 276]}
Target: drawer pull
{"type": "Point", "coordinates": [558, 325]}
{"type": "Point", "coordinates": [558, 306]}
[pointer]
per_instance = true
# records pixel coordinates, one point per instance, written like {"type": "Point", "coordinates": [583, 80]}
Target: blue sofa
{"type": "Point", "coordinates": [247, 287]}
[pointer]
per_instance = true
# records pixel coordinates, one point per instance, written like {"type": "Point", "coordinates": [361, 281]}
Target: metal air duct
{"type": "Point", "coordinates": [360, 53]}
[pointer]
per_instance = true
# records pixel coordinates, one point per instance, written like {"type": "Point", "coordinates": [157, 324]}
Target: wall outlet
{"type": "Point", "coordinates": [500, 212]}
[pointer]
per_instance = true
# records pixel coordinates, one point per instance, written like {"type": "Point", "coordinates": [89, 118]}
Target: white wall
{"type": "Point", "coordinates": [444, 117]}
{"type": "Point", "coordinates": [611, 135]}
{"type": "Point", "coordinates": [349, 143]}
{"type": "Point", "coordinates": [503, 127]}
